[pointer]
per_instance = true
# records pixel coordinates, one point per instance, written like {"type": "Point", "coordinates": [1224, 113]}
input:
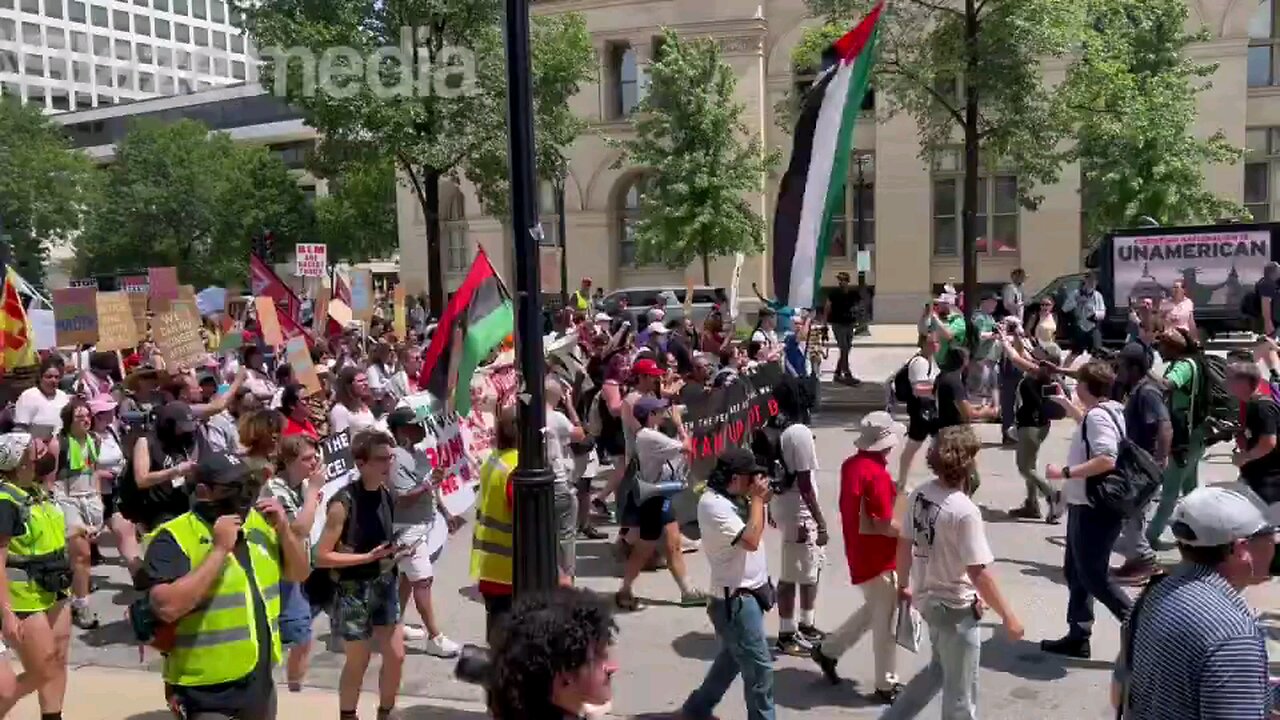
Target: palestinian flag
{"type": "Point", "coordinates": [812, 190]}
{"type": "Point", "coordinates": [479, 317]}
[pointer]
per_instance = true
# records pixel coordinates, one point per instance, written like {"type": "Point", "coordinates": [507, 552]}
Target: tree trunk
{"type": "Point", "coordinates": [706, 270]}
{"type": "Point", "coordinates": [969, 241]}
{"type": "Point", "coordinates": [435, 253]}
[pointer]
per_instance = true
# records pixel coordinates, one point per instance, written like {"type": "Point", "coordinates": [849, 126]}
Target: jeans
{"type": "Point", "coordinates": [877, 616]}
{"type": "Point", "coordinates": [1179, 479]}
{"type": "Point", "coordinates": [1133, 543]}
{"type": "Point", "coordinates": [1028, 453]}
{"type": "Point", "coordinates": [955, 646]}
{"type": "Point", "coordinates": [744, 649]}
{"type": "Point", "coordinates": [844, 341]}
{"type": "Point", "coordinates": [1091, 533]}
{"type": "Point", "coordinates": [1009, 377]}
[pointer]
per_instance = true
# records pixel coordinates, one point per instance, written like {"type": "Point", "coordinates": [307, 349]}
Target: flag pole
{"type": "Point", "coordinates": [534, 564]}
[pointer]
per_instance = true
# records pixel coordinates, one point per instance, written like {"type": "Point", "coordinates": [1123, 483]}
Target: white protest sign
{"type": "Point", "coordinates": [446, 446]}
{"type": "Point", "coordinates": [311, 259]}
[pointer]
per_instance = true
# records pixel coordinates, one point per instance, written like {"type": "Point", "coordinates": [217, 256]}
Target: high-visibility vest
{"type": "Point", "coordinates": [217, 642]}
{"type": "Point", "coordinates": [491, 546]}
{"type": "Point", "coordinates": [581, 300]}
{"type": "Point", "coordinates": [45, 539]}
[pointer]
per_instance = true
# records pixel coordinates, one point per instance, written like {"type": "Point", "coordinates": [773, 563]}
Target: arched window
{"type": "Point", "coordinates": [454, 222]}
{"type": "Point", "coordinates": [628, 216]}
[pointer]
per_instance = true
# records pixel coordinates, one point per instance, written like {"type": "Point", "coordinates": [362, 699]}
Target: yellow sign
{"type": "Point", "coordinates": [117, 329]}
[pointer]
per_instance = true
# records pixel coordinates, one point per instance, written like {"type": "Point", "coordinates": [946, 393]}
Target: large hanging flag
{"type": "Point", "coordinates": [812, 190]}
{"type": "Point", "coordinates": [17, 344]}
{"type": "Point", "coordinates": [264, 281]}
{"type": "Point", "coordinates": [478, 318]}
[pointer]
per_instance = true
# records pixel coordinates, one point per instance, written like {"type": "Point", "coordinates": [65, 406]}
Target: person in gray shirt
{"type": "Point", "coordinates": [418, 508]}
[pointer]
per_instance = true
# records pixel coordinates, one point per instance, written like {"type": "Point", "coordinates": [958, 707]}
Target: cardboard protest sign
{"type": "Point", "coordinates": [75, 315]}
{"type": "Point", "coordinates": [320, 313]}
{"type": "Point", "coordinates": [362, 295]}
{"type": "Point", "coordinates": [311, 259]}
{"type": "Point", "coordinates": [138, 306]}
{"type": "Point", "coordinates": [340, 312]}
{"type": "Point", "coordinates": [727, 416]}
{"type": "Point", "coordinates": [398, 314]}
{"type": "Point", "coordinates": [178, 339]}
{"type": "Point", "coordinates": [268, 321]}
{"type": "Point", "coordinates": [162, 287]}
{"type": "Point", "coordinates": [298, 356]}
{"type": "Point", "coordinates": [186, 303]}
{"type": "Point", "coordinates": [117, 329]}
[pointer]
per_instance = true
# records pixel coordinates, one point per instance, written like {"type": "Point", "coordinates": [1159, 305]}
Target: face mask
{"type": "Point", "coordinates": [237, 504]}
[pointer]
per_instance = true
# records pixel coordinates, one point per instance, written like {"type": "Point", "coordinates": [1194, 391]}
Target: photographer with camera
{"type": "Point", "coordinates": [551, 659]}
{"type": "Point", "coordinates": [731, 516]}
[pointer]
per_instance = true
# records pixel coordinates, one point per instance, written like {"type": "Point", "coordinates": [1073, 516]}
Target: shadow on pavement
{"type": "Point", "coordinates": [116, 632]}
{"type": "Point", "coordinates": [595, 559]}
{"type": "Point", "coordinates": [1032, 568]}
{"type": "Point", "coordinates": [1025, 660]}
{"type": "Point", "coordinates": [429, 712]}
{"type": "Point", "coordinates": [696, 646]}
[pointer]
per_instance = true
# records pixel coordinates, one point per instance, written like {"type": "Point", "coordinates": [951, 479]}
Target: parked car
{"type": "Point", "coordinates": [670, 298]}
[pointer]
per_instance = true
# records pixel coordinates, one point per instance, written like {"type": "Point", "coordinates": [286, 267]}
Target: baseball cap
{"type": "Point", "coordinates": [401, 417]}
{"type": "Point", "coordinates": [603, 317]}
{"type": "Point", "coordinates": [179, 415]}
{"type": "Point", "coordinates": [102, 403]}
{"type": "Point", "coordinates": [657, 327]}
{"type": "Point", "coordinates": [646, 367]}
{"type": "Point", "coordinates": [1219, 515]}
{"type": "Point", "coordinates": [222, 469]}
{"type": "Point", "coordinates": [739, 461]}
{"type": "Point", "coordinates": [647, 406]}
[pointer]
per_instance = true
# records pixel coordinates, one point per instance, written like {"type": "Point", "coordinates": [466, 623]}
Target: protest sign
{"type": "Point", "coordinates": [211, 300]}
{"type": "Point", "coordinates": [445, 446]}
{"type": "Point", "coordinates": [83, 282]}
{"type": "Point", "coordinates": [162, 287]}
{"type": "Point", "coordinates": [340, 312]}
{"type": "Point", "coordinates": [268, 321]}
{"type": "Point", "coordinates": [134, 284]}
{"type": "Point", "coordinates": [75, 316]}
{"type": "Point", "coordinates": [138, 306]}
{"type": "Point", "coordinates": [311, 259]}
{"type": "Point", "coordinates": [178, 339]}
{"type": "Point", "coordinates": [186, 303]}
{"type": "Point", "coordinates": [43, 327]}
{"type": "Point", "coordinates": [398, 314]}
{"type": "Point", "coordinates": [298, 356]}
{"type": "Point", "coordinates": [362, 295]}
{"type": "Point", "coordinates": [726, 416]}
{"type": "Point", "coordinates": [116, 327]}
{"type": "Point", "coordinates": [320, 313]}
{"type": "Point", "coordinates": [1215, 268]}
{"type": "Point", "coordinates": [339, 470]}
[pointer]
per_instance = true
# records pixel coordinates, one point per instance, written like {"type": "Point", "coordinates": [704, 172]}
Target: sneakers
{"type": "Point", "coordinates": [812, 634]}
{"type": "Point", "coordinates": [414, 633]}
{"type": "Point", "coordinates": [1029, 510]}
{"type": "Point", "coordinates": [84, 618]}
{"type": "Point", "coordinates": [826, 664]}
{"type": "Point", "coordinates": [1135, 572]}
{"type": "Point", "coordinates": [887, 697]}
{"type": "Point", "coordinates": [1072, 647]}
{"type": "Point", "coordinates": [794, 644]}
{"type": "Point", "coordinates": [442, 647]}
{"type": "Point", "coordinates": [591, 532]}
{"type": "Point", "coordinates": [1057, 508]}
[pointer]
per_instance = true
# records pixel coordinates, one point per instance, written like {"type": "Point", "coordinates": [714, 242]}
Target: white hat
{"type": "Point", "coordinates": [656, 314]}
{"type": "Point", "coordinates": [13, 446]}
{"type": "Point", "coordinates": [603, 317]}
{"type": "Point", "coordinates": [1219, 515]}
{"type": "Point", "coordinates": [657, 327]}
{"type": "Point", "coordinates": [878, 432]}
{"type": "Point", "coordinates": [946, 299]}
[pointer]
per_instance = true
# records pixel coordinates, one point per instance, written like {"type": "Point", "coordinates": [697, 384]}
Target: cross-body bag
{"type": "Point", "coordinates": [1128, 486]}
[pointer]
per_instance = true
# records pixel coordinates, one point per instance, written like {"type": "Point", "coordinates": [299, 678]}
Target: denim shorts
{"type": "Point", "coordinates": [295, 614]}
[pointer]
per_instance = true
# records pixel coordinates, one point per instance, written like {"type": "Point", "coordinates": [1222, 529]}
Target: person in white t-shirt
{"type": "Point", "coordinates": [731, 516]}
{"type": "Point", "coordinates": [39, 408]}
{"type": "Point", "coordinates": [563, 428]}
{"type": "Point", "coordinates": [952, 583]}
{"type": "Point", "coordinates": [351, 410]}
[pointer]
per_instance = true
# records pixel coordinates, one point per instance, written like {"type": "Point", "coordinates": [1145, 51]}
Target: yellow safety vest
{"type": "Point", "coordinates": [218, 641]}
{"type": "Point", "coordinates": [581, 301]}
{"type": "Point", "coordinates": [45, 540]}
{"type": "Point", "coordinates": [491, 546]}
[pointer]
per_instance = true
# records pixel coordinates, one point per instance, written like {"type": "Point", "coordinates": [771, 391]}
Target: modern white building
{"type": "Point", "coordinates": [80, 54]}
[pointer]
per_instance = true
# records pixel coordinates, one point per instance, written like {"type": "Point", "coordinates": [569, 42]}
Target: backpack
{"type": "Point", "coordinates": [902, 388]}
{"type": "Point", "coordinates": [766, 445]}
{"type": "Point", "coordinates": [1213, 407]}
{"type": "Point", "coordinates": [1251, 304]}
{"type": "Point", "coordinates": [1134, 480]}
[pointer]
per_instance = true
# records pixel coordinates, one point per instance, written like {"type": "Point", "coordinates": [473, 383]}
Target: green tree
{"type": "Point", "coordinates": [357, 219]}
{"type": "Point", "coordinates": [1131, 93]}
{"type": "Point", "coordinates": [703, 160]}
{"type": "Point", "coordinates": [969, 74]}
{"type": "Point", "coordinates": [446, 117]}
{"type": "Point", "coordinates": [178, 195]}
{"type": "Point", "coordinates": [43, 186]}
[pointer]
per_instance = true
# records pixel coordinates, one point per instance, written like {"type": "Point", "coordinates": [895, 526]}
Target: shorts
{"type": "Point", "coordinates": [566, 529]}
{"type": "Point", "coordinates": [83, 513]}
{"type": "Point", "coordinates": [362, 605]}
{"type": "Point", "coordinates": [801, 562]}
{"type": "Point", "coordinates": [419, 564]}
{"type": "Point", "coordinates": [650, 519]}
{"type": "Point", "coordinates": [918, 427]}
{"type": "Point", "coordinates": [295, 614]}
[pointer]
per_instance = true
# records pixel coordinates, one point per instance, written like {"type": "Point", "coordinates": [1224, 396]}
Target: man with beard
{"type": "Point", "coordinates": [216, 594]}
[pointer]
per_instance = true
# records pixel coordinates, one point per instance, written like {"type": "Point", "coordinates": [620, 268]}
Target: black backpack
{"type": "Point", "coordinates": [1213, 403]}
{"type": "Point", "coordinates": [766, 445]}
{"type": "Point", "coordinates": [902, 388]}
{"type": "Point", "coordinates": [1134, 480]}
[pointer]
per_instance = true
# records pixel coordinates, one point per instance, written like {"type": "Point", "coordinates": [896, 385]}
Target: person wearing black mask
{"type": "Point", "coordinates": [218, 597]}
{"type": "Point", "coordinates": [162, 461]}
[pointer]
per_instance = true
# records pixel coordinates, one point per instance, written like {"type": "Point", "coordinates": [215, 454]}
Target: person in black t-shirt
{"type": "Point", "coordinates": [162, 461]}
{"type": "Point", "coordinates": [840, 310]}
{"type": "Point", "coordinates": [1268, 292]}
{"type": "Point", "coordinates": [1033, 410]}
{"type": "Point", "coordinates": [357, 542]}
{"type": "Point", "coordinates": [1255, 452]}
{"type": "Point", "coordinates": [951, 394]}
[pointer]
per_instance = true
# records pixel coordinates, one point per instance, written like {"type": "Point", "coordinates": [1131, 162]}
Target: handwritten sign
{"type": "Point", "coordinates": [178, 339]}
{"type": "Point", "coordinates": [445, 446]}
{"type": "Point", "coordinates": [311, 259]}
{"type": "Point", "coordinates": [75, 316]}
{"type": "Point", "coordinates": [362, 295]}
{"type": "Point", "coordinates": [116, 327]}
{"type": "Point", "coordinates": [340, 312]}
{"type": "Point", "coordinates": [398, 314]}
{"type": "Point", "coordinates": [299, 358]}
{"type": "Point", "coordinates": [320, 313]}
{"type": "Point", "coordinates": [138, 305]}
{"type": "Point", "coordinates": [186, 303]}
{"type": "Point", "coordinates": [268, 320]}
{"type": "Point", "coordinates": [162, 284]}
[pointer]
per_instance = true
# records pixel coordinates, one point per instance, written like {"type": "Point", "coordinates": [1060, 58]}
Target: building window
{"type": "Point", "coordinates": [124, 79]}
{"type": "Point", "coordinates": [33, 65]}
{"type": "Point", "coordinates": [102, 76]}
{"type": "Point", "coordinates": [1263, 41]}
{"type": "Point", "coordinates": [220, 67]}
{"type": "Point", "coordinates": [162, 29]}
{"type": "Point", "coordinates": [10, 89]}
{"type": "Point", "coordinates": [628, 217]}
{"type": "Point", "coordinates": [84, 101]}
{"type": "Point", "coordinates": [845, 226]}
{"type": "Point", "coordinates": [57, 68]}
{"type": "Point", "coordinates": [75, 11]}
{"type": "Point", "coordinates": [9, 62]}
{"type": "Point", "coordinates": [202, 63]}
{"type": "Point", "coordinates": [237, 69]}
{"type": "Point", "coordinates": [145, 55]}
{"type": "Point", "coordinates": [142, 25]}
{"type": "Point", "coordinates": [166, 85]}
{"type": "Point", "coordinates": [59, 99]}
{"type": "Point", "coordinates": [547, 214]}
{"type": "Point", "coordinates": [217, 11]}
{"type": "Point", "coordinates": [624, 75]}
{"type": "Point", "coordinates": [161, 5]}
{"type": "Point", "coordinates": [31, 35]}
{"type": "Point", "coordinates": [997, 212]}
{"type": "Point", "coordinates": [220, 40]}
{"type": "Point", "coordinates": [101, 46]}
{"type": "Point", "coordinates": [30, 6]}
{"type": "Point", "coordinates": [164, 57]}
{"type": "Point", "coordinates": [53, 8]}
{"type": "Point", "coordinates": [294, 155]}
{"type": "Point", "coordinates": [121, 20]}
{"type": "Point", "coordinates": [201, 36]}
{"type": "Point", "coordinates": [79, 42]}
{"type": "Point", "coordinates": [181, 33]}
{"type": "Point", "coordinates": [8, 30]}
{"type": "Point", "coordinates": [198, 9]}
{"type": "Point", "coordinates": [55, 38]}
{"type": "Point", "coordinates": [179, 7]}
{"type": "Point", "coordinates": [99, 16]}
{"type": "Point", "coordinates": [123, 50]}
{"type": "Point", "coordinates": [237, 44]}
{"type": "Point", "coordinates": [183, 60]}
{"type": "Point", "coordinates": [1261, 172]}
{"type": "Point", "coordinates": [457, 254]}
{"type": "Point", "coordinates": [80, 72]}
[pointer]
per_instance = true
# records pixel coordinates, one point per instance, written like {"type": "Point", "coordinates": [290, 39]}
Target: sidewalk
{"type": "Point", "coordinates": [100, 693]}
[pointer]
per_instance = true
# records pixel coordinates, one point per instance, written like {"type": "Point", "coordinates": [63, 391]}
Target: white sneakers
{"type": "Point", "coordinates": [415, 633]}
{"type": "Point", "coordinates": [442, 647]}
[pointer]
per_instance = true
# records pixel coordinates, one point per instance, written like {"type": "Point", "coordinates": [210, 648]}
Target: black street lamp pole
{"type": "Point", "coordinates": [859, 211]}
{"type": "Point", "coordinates": [564, 253]}
{"type": "Point", "coordinates": [534, 566]}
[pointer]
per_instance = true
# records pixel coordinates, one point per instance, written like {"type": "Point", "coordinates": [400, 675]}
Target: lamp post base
{"type": "Point", "coordinates": [534, 564]}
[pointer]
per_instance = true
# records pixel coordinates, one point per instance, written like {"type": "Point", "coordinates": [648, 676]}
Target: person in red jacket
{"type": "Point", "coordinates": [867, 496]}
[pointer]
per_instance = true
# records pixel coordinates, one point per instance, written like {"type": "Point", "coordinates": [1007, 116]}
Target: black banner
{"type": "Point", "coordinates": [335, 453]}
{"type": "Point", "coordinates": [725, 417]}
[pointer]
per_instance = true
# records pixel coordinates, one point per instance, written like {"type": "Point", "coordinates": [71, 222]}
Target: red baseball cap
{"type": "Point", "coordinates": [646, 367]}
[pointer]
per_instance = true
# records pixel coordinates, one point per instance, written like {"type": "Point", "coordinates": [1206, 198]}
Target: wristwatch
{"type": "Point", "coordinates": [1066, 471]}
